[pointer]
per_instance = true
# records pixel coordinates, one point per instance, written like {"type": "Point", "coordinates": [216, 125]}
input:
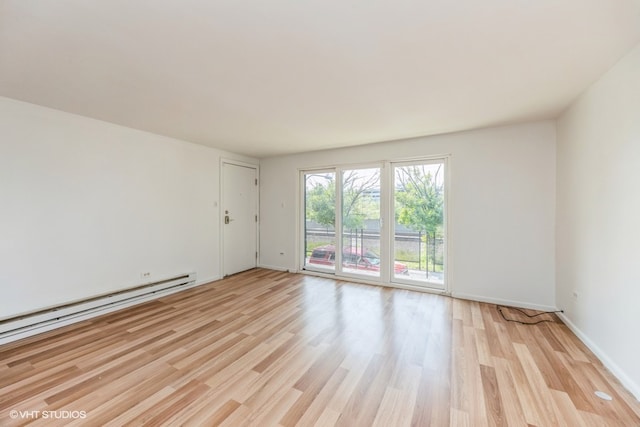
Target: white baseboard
{"type": "Point", "coordinates": [624, 379]}
{"type": "Point", "coordinates": [505, 302]}
{"type": "Point", "coordinates": [209, 280]}
{"type": "Point", "coordinates": [273, 267]}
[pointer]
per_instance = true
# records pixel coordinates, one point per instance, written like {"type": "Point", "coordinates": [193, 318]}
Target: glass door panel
{"type": "Point", "coordinates": [319, 221]}
{"type": "Point", "coordinates": [419, 226]}
{"type": "Point", "coordinates": [360, 209]}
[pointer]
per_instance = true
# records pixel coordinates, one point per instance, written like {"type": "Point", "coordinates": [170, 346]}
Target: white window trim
{"type": "Point", "coordinates": [387, 226]}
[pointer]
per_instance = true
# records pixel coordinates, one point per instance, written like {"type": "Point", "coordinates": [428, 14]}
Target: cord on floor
{"type": "Point", "coordinates": [500, 308]}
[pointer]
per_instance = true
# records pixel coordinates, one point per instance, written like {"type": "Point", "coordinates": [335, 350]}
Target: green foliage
{"type": "Point", "coordinates": [357, 204]}
{"type": "Point", "coordinates": [321, 203]}
{"type": "Point", "coordinates": [419, 199]}
{"type": "Point", "coordinates": [426, 261]}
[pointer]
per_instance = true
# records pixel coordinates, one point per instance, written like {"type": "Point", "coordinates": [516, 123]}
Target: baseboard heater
{"type": "Point", "coordinates": [26, 324]}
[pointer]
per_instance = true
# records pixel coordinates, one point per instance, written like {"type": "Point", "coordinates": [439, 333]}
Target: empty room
{"type": "Point", "coordinates": [319, 213]}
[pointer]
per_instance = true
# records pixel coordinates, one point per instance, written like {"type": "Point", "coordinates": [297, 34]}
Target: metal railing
{"type": "Point", "coordinates": [427, 248]}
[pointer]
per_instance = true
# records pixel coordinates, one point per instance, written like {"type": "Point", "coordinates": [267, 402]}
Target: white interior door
{"type": "Point", "coordinates": [239, 216]}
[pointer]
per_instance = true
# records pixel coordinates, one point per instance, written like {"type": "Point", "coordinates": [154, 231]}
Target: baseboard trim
{"type": "Point", "coordinates": [505, 302]}
{"type": "Point", "coordinates": [209, 280]}
{"type": "Point", "coordinates": [624, 379]}
{"type": "Point", "coordinates": [273, 267]}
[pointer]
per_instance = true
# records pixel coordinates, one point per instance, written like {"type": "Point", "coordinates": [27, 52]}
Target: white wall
{"type": "Point", "coordinates": [502, 207]}
{"type": "Point", "coordinates": [598, 240]}
{"type": "Point", "coordinates": [87, 206]}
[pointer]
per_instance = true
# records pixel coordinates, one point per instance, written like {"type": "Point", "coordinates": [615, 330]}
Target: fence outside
{"type": "Point", "coordinates": [420, 250]}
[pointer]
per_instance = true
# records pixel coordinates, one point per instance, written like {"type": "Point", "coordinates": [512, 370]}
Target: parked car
{"type": "Point", "coordinates": [352, 258]}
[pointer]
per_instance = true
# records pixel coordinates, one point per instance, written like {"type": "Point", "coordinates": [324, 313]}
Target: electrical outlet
{"type": "Point", "coordinates": [145, 275]}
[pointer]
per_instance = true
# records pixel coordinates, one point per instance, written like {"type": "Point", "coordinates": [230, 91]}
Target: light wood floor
{"type": "Point", "coordinates": [268, 348]}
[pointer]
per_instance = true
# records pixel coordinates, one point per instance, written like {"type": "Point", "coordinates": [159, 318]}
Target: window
{"type": "Point", "coordinates": [358, 201]}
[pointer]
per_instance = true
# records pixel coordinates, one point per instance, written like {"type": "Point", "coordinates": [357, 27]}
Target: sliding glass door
{"type": "Point", "coordinates": [419, 227]}
{"type": "Point", "coordinates": [360, 210]}
{"type": "Point", "coordinates": [319, 220]}
{"type": "Point", "coordinates": [345, 217]}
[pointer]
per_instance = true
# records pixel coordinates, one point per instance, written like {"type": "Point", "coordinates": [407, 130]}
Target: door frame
{"type": "Point", "coordinates": [387, 229]}
{"type": "Point", "coordinates": [444, 160]}
{"type": "Point", "coordinates": [340, 170]}
{"type": "Point", "coordinates": [301, 220]}
{"type": "Point", "coordinates": [240, 163]}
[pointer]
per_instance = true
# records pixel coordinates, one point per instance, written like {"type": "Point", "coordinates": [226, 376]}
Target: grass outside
{"type": "Point", "coordinates": [410, 258]}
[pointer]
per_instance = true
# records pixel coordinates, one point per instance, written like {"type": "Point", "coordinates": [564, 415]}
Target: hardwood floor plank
{"type": "Point", "coordinates": [319, 401]}
{"type": "Point", "coordinates": [572, 346]}
{"type": "Point", "coordinates": [141, 387]}
{"type": "Point", "coordinates": [482, 348]}
{"type": "Point", "coordinates": [219, 416]}
{"type": "Point", "coordinates": [460, 418]}
{"type": "Point", "coordinates": [361, 396]}
{"type": "Point", "coordinates": [459, 382]}
{"type": "Point", "coordinates": [277, 379]}
{"type": "Point", "coordinates": [566, 411]}
{"type": "Point", "coordinates": [269, 348]}
{"type": "Point", "coordinates": [329, 417]}
{"type": "Point", "coordinates": [356, 367]}
{"type": "Point", "coordinates": [512, 408]}
{"type": "Point", "coordinates": [238, 417]}
{"type": "Point", "coordinates": [312, 382]}
{"type": "Point", "coordinates": [474, 388]}
{"type": "Point", "coordinates": [275, 410]}
{"type": "Point", "coordinates": [542, 398]}
{"type": "Point", "coordinates": [397, 405]}
{"type": "Point", "coordinates": [163, 411]}
{"type": "Point", "coordinates": [543, 356]}
{"type": "Point", "coordinates": [588, 379]}
{"type": "Point", "coordinates": [493, 335]}
{"type": "Point", "coordinates": [492, 399]}
{"type": "Point", "coordinates": [142, 407]}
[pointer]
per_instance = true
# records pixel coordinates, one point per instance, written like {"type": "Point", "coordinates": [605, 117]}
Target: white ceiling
{"type": "Point", "coordinates": [267, 77]}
